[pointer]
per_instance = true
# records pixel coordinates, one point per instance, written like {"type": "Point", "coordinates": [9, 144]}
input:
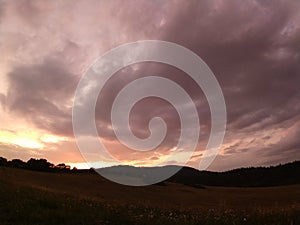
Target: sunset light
{"type": "Point", "coordinates": [45, 52]}
{"type": "Point", "coordinates": [149, 112]}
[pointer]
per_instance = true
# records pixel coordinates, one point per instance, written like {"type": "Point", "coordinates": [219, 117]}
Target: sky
{"type": "Point", "coordinates": [252, 47]}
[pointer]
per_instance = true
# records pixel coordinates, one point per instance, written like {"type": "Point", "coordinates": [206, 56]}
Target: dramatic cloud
{"type": "Point", "coordinates": [252, 47]}
{"type": "Point", "coordinates": [42, 93]}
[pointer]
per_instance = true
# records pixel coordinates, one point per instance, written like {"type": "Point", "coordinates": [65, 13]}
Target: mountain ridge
{"type": "Point", "coordinates": [282, 174]}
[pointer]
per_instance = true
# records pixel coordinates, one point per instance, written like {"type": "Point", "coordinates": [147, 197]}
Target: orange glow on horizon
{"type": "Point", "coordinates": [28, 139]}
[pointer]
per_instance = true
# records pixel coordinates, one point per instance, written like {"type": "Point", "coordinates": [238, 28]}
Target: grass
{"type": "Point", "coordinates": [28, 197]}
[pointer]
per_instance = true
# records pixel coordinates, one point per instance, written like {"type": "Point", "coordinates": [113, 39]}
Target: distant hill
{"type": "Point", "coordinates": [286, 174]}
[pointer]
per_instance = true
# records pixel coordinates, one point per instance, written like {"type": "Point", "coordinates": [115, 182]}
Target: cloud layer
{"type": "Point", "coordinates": [251, 46]}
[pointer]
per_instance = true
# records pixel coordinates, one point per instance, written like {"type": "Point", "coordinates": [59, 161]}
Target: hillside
{"type": "Point", "coordinates": [286, 174]}
{"type": "Point", "coordinates": [31, 197]}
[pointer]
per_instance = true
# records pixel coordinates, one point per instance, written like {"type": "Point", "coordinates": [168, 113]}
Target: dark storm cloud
{"type": "Point", "coordinates": [289, 144]}
{"type": "Point", "coordinates": [41, 93]}
{"type": "Point", "coordinates": [2, 99]}
{"type": "Point", "coordinates": [237, 42]}
{"type": "Point", "coordinates": [252, 48]}
{"type": "Point", "coordinates": [149, 108]}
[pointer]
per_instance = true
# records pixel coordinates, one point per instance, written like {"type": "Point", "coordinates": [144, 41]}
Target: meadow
{"type": "Point", "coordinates": [31, 197]}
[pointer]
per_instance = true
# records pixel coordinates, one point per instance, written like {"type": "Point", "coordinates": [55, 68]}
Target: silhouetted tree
{"type": "Point", "coordinates": [17, 163]}
{"type": "Point", "coordinates": [62, 166]}
{"type": "Point", "coordinates": [3, 161]}
{"type": "Point", "coordinates": [39, 164]}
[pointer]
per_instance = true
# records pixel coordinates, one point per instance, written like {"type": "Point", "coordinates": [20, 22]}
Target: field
{"type": "Point", "coordinates": [29, 197]}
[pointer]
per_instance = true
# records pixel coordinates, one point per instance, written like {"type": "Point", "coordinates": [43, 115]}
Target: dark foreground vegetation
{"type": "Point", "coordinates": [32, 197]}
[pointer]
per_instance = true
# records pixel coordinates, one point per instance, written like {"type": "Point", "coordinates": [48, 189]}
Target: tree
{"type": "Point", "coordinates": [62, 166]}
{"type": "Point", "coordinates": [3, 161]}
{"type": "Point", "coordinates": [17, 163]}
{"type": "Point", "coordinates": [39, 164]}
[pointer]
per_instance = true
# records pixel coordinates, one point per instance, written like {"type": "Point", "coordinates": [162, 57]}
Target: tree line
{"type": "Point", "coordinates": [35, 164]}
{"type": "Point", "coordinates": [285, 174]}
{"type": "Point", "coordinates": [282, 174]}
